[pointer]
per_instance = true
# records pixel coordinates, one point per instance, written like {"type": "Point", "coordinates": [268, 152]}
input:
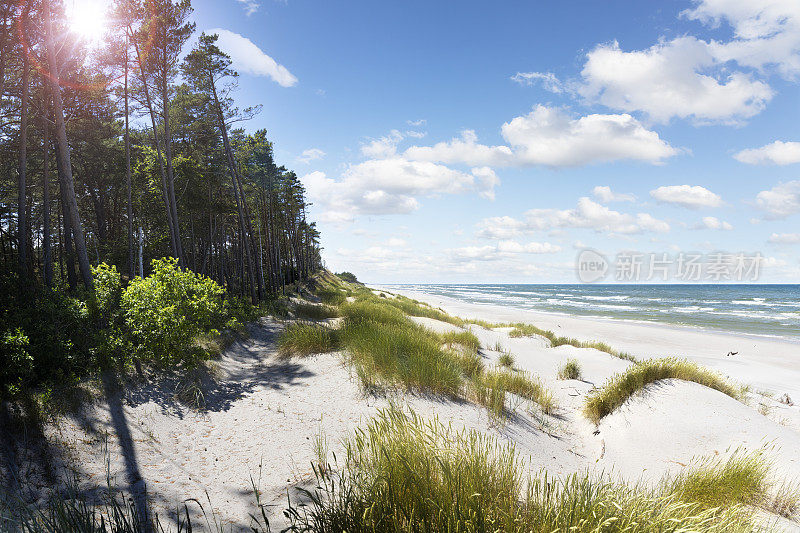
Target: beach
{"type": "Point", "coordinates": [265, 417]}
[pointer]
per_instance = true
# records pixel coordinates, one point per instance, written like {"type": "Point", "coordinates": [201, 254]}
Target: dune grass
{"type": "Point", "coordinates": [493, 384]}
{"type": "Point", "coordinates": [622, 386]}
{"type": "Point", "coordinates": [315, 311]}
{"type": "Point", "coordinates": [506, 359]}
{"type": "Point", "coordinates": [570, 370]}
{"type": "Point", "coordinates": [388, 347]}
{"type": "Point", "coordinates": [529, 330]}
{"type": "Point", "coordinates": [403, 473]}
{"type": "Point", "coordinates": [466, 339]}
{"type": "Point", "coordinates": [303, 339]}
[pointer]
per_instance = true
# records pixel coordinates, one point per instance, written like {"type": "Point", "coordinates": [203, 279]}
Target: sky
{"type": "Point", "coordinates": [491, 142]}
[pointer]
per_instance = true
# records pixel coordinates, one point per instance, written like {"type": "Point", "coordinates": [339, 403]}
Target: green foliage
{"type": "Point", "coordinates": [16, 364]}
{"type": "Point", "coordinates": [403, 473]}
{"type": "Point", "coordinates": [167, 310]}
{"type": "Point", "coordinates": [622, 386]}
{"type": "Point", "coordinates": [349, 277]}
{"type": "Point", "coordinates": [107, 289]}
{"type": "Point", "coordinates": [305, 339]}
{"type": "Point", "coordinates": [570, 370]}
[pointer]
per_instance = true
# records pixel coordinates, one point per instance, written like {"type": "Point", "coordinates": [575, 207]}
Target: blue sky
{"type": "Point", "coordinates": [490, 141]}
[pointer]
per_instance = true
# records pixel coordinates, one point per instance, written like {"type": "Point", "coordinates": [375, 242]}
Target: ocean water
{"type": "Point", "coordinates": [769, 310]}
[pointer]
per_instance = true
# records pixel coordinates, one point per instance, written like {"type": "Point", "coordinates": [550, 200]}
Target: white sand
{"type": "Point", "coordinates": [263, 414]}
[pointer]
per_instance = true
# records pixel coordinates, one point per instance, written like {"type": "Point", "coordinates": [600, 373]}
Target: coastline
{"type": "Point", "coordinates": [765, 363]}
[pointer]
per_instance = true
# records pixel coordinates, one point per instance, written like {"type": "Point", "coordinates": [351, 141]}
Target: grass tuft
{"type": "Point", "coordinates": [506, 359]}
{"type": "Point", "coordinates": [305, 339]}
{"type": "Point", "coordinates": [314, 311]}
{"type": "Point", "coordinates": [522, 384]}
{"type": "Point", "coordinates": [570, 370]}
{"type": "Point", "coordinates": [467, 339]}
{"type": "Point", "coordinates": [622, 386]}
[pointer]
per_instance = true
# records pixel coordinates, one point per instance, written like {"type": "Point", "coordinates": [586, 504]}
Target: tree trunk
{"type": "Point", "coordinates": [157, 146]}
{"type": "Point", "coordinates": [62, 150]}
{"type": "Point", "coordinates": [170, 170]}
{"type": "Point", "coordinates": [48, 257]}
{"type": "Point", "coordinates": [22, 190]}
{"type": "Point", "coordinates": [131, 259]}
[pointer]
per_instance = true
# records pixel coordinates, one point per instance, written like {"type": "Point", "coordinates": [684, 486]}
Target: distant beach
{"type": "Point", "coordinates": [764, 310]}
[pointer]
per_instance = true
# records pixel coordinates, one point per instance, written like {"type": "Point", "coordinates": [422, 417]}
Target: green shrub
{"type": "Point", "coordinates": [16, 364]}
{"type": "Point", "coordinates": [305, 339]}
{"type": "Point", "coordinates": [349, 277]}
{"type": "Point", "coordinates": [167, 310]}
{"type": "Point", "coordinates": [107, 289]}
{"type": "Point", "coordinates": [570, 370]}
{"type": "Point", "coordinates": [622, 386]}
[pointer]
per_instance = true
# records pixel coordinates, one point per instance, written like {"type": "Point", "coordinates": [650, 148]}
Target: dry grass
{"type": "Point", "coordinates": [570, 370]}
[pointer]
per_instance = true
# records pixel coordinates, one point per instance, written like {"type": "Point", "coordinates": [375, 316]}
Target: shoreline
{"type": "Point", "coordinates": [766, 363]}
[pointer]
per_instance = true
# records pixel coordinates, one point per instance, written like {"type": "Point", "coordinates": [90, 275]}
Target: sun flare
{"type": "Point", "coordinates": [87, 19]}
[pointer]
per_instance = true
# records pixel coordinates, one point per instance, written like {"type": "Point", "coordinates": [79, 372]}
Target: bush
{"type": "Point", "coordinates": [349, 277]}
{"type": "Point", "coordinates": [570, 370]}
{"type": "Point", "coordinates": [107, 289]}
{"type": "Point", "coordinates": [167, 310]}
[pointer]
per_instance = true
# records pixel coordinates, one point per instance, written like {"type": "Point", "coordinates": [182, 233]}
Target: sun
{"type": "Point", "coordinates": [87, 19]}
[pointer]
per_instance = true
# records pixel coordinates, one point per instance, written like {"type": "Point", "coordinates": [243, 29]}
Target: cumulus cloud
{"type": "Point", "coordinates": [310, 154]}
{"type": "Point", "coordinates": [766, 33]}
{"type": "Point", "coordinates": [391, 186]}
{"type": "Point", "coordinates": [689, 196]}
{"type": "Point", "coordinates": [249, 58]}
{"type": "Point", "coordinates": [587, 214]}
{"type": "Point", "coordinates": [713, 223]}
{"type": "Point", "coordinates": [606, 195]}
{"type": "Point", "coordinates": [548, 80]}
{"type": "Point", "coordinates": [671, 79]}
{"type": "Point", "coordinates": [776, 153]}
{"type": "Point", "coordinates": [551, 137]}
{"type": "Point", "coordinates": [780, 201]}
{"type": "Point", "coordinates": [385, 146]}
{"type": "Point", "coordinates": [417, 123]}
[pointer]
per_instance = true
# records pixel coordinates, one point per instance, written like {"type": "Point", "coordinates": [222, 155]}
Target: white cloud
{"type": "Point", "coordinates": [249, 58]}
{"type": "Point", "coordinates": [606, 195]}
{"type": "Point", "coordinates": [396, 242]}
{"type": "Point", "coordinates": [391, 186]}
{"type": "Point", "coordinates": [587, 214]}
{"type": "Point", "coordinates": [785, 238]}
{"type": "Point", "coordinates": [384, 147]}
{"type": "Point", "coordinates": [671, 79]}
{"type": "Point", "coordinates": [713, 223]}
{"type": "Point", "coordinates": [690, 196]}
{"type": "Point", "coordinates": [310, 155]}
{"type": "Point", "coordinates": [464, 149]}
{"type": "Point", "coordinates": [766, 32]}
{"type": "Point", "coordinates": [776, 153]}
{"type": "Point", "coordinates": [250, 6]}
{"type": "Point", "coordinates": [416, 134]}
{"type": "Point", "coordinates": [548, 80]}
{"type": "Point", "coordinates": [503, 250]}
{"type": "Point", "coordinates": [551, 137]}
{"type": "Point", "coordinates": [781, 201]}
{"type": "Point", "coordinates": [417, 123]}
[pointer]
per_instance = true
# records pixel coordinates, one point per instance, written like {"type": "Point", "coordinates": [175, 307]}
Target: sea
{"type": "Point", "coordinates": [764, 310]}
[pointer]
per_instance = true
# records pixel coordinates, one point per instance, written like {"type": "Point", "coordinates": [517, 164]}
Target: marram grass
{"type": "Point", "coordinates": [315, 311]}
{"type": "Point", "coordinates": [529, 330]}
{"type": "Point", "coordinates": [403, 473]}
{"type": "Point", "coordinates": [570, 370]}
{"type": "Point", "coordinates": [622, 386]}
{"type": "Point", "coordinates": [300, 338]}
